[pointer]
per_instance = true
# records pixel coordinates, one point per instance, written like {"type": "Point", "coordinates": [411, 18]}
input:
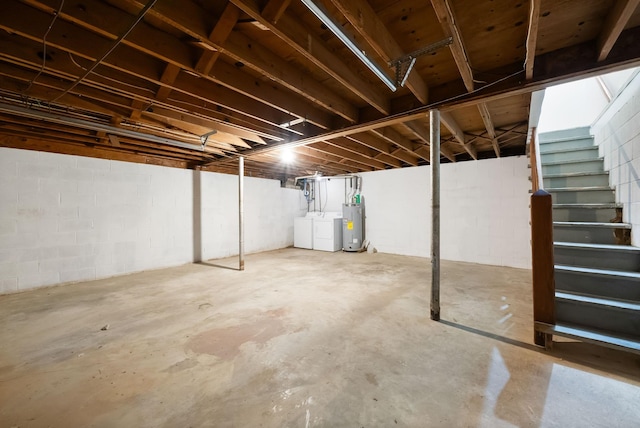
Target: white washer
{"type": "Point", "coordinates": [303, 230]}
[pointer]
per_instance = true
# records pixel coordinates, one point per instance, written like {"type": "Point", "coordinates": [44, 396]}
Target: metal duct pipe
{"type": "Point", "coordinates": [85, 124]}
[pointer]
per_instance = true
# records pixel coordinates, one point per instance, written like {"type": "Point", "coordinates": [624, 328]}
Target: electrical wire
{"type": "Point", "coordinates": [111, 49]}
{"type": "Point", "coordinates": [56, 13]}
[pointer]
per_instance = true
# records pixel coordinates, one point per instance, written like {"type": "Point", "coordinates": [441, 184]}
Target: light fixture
{"type": "Point", "coordinates": [337, 31]}
{"type": "Point", "coordinates": [286, 155]}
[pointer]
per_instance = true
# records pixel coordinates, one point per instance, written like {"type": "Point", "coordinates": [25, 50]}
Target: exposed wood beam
{"type": "Point", "coordinates": [448, 22]}
{"type": "Point", "coordinates": [124, 59]}
{"type": "Point", "coordinates": [218, 35]}
{"type": "Point", "coordinates": [95, 152]}
{"type": "Point", "coordinates": [488, 123]}
{"type": "Point", "coordinates": [317, 159]}
{"type": "Point", "coordinates": [187, 17]}
{"type": "Point", "coordinates": [394, 137]}
{"type": "Point", "coordinates": [114, 140]}
{"type": "Point", "coordinates": [295, 34]}
{"type": "Point", "coordinates": [450, 27]}
{"type": "Point", "coordinates": [532, 37]}
{"type": "Point", "coordinates": [369, 140]}
{"type": "Point", "coordinates": [361, 159]}
{"type": "Point", "coordinates": [91, 93]}
{"type": "Point", "coordinates": [552, 68]}
{"type": "Point", "coordinates": [168, 77]}
{"type": "Point", "coordinates": [136, 109]}
{"type": "Point", "coordinates": [105, 19]}
{"type": "Point", "coordinates": [274, 9]}
{"type": "Point", "coordinates": [309, 158]}
{"type": "Point", "coordinates": [190, 118]}
{"type": "Point", "coordinates": [353, 147]}
{"type": "Point", "coordinates": [616, 20]}
{"type": "Point", "coordinates": [422, 132]}
{"type": "Point", "coordinates": [253, 55]}
{"type": "Point", "coordinates": [365, 20]}
{"type": "Point", "coordinates": [450, 123]}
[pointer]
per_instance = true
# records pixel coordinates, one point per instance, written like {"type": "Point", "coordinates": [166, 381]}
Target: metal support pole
{"type": "Point", "coordinates": [434, 125]}
{"type": "Point", "coordinates": [241, 211]}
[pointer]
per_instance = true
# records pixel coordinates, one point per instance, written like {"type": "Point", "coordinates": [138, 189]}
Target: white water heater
{"type": "Point", "coordinates": [352, 226]}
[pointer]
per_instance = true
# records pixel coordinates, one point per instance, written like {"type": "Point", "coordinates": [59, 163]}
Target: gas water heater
{"type": "Point", "coordinates": [352, 226]}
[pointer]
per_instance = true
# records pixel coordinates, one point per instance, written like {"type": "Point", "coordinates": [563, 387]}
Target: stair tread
{"type": "Point", "coordinates": [575, 149]}
{"type": "Point", "coordinates": [571, 161]}
{"type": "Point", "coordinates": [578, 189]}
{"type": "Point", "coordinates": [589, 206]}
{"type": "Point", "coordinates": [625, 248]}
{"type": "Point", "coordinates": [592, 224]}
{"type": "Point", "coordinates": [601, 301]}
{"type": "Point", "coordinates": [579, 133]}
{"type": "Point", "coordinates": [599, 337]}
{"type": "Point", "coordinates": [626, 274]}
{"type": "Point", "coordinates": [574, 174]}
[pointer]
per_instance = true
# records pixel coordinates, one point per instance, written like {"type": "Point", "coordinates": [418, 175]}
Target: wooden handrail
{"type": "Point", "coordinates": [536, 163]}
{"type": "Point", "coordinates": [541, 249]}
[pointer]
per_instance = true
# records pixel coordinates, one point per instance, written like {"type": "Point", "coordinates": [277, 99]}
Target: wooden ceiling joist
{"type": "Point", "coordinates": [267, 74]}
{"type": "Point", "coordinates": [218, 36]}
{"type": "Point", "coordinates": [450, 27]}
{"type": "Point", "coordinates": [450, 123]}
{"type": "Point", "coordinates": [488, 123]}
{"type": "Point", "coordinates": [365, 20]}
{"type": "Point", "coordinates": [614, 24]}
{"type": "Point", "coordinates": [274, 9]}
{"type": "Point", "coordinates": [292, 32]}
{"type": "Point", "coordinates": [532, 37]}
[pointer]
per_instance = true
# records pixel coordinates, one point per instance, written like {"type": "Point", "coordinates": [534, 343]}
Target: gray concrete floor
{"type": "Point", "coordinates": [301, 339]}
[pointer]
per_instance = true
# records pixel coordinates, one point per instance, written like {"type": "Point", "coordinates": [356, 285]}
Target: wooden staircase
{"type": "Point", "coordinates": [597, 272]}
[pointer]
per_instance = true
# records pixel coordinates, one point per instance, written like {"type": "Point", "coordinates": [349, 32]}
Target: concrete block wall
{"type": "Point", "coordinates": [68, 218]}
{"type": "Point", "coordinates": [268, 211]}
{"type": "Point", "coordinates": [617, 133]}
{"type": "Point", "coordinates": [484, 211]}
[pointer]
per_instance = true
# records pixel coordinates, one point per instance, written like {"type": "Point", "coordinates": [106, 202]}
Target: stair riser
{"type": "Point", "coordinates": [597, 259]}
{"type": "Point", "coordinates": [577, 181]}
{"type": "Point", "coordinates": [601, 215]}
{"type": "Point", "coordinates": [605, 286]}
{"type": "Point", "coordinates": [583, 197]}
{"type": "Point", "coordinates": [583, 166]}
{"type": "Point", "coordinates": [600, 317]}
{"type": "Point", "coordinates": [578, 143]}
{"type": "Point", "coordinates": [590, 235]}
{"type": "Point", "coordinates": [578, 154]}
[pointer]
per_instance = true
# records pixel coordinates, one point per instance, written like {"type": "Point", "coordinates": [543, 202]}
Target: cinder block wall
{"type": "Point", "coordinates": [68, 218]}
{"type": "Point", "coordinates": [484, 210]}
{"type": "Point", "coordinates": [617, 133]}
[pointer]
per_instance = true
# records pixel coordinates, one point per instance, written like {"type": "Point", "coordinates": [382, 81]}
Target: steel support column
{"type": "Point", "coordinates": [434, 125]}
{"type": "Point", "coordinates": [241, 212]}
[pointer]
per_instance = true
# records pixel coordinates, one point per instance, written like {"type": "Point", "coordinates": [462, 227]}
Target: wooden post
{"type": "Point", "coordinates": [542, 265]}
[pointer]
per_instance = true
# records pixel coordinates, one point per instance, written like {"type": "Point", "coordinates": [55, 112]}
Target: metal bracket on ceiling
{"type": "Point", "coordinates": [405, 63]}
{"type": "Point", "coordinates": [205, 137]}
